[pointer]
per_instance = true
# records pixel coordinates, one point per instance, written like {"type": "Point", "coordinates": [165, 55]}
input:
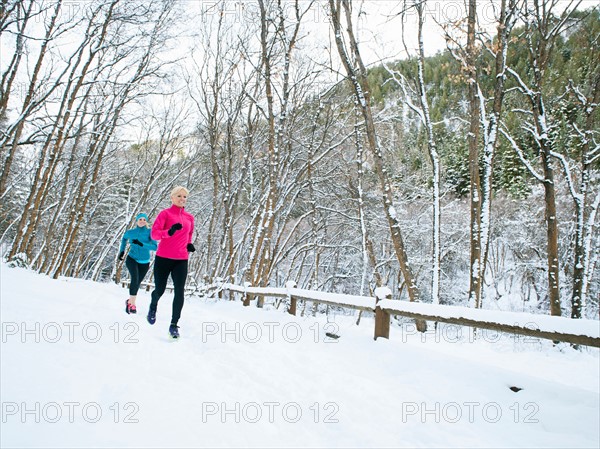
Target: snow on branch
{"type": "Point", "coordinates": [522, 157]}
{"type": "Point", "coordinates": [401, 82]}
{"type": "Point", "coordinates": [565, 164]}
{"type": "Point", "coordinates": [524, 88]}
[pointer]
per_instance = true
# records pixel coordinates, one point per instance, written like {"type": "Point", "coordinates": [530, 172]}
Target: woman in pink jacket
{"type": "Point", "coordinates": [174, 227]}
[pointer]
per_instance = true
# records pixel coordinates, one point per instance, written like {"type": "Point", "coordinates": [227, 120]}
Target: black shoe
{"type": "Point", "coordinates": [127, 306]}
{"type": "Point", "coordinates": [151, 316]}
{"type": "Point", "coordinates": [174, 331]}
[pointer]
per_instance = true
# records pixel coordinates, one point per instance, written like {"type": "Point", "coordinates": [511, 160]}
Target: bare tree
{"type": "Point", "coordinates": [40, 87]}
{"type": "Point", "coordinates": [423, 112]}
{"type": "Point", "coordinates": [542, 28]}
{"type": "Point", "coordinates": [490, 122]}
{"type": "Point", "coordinates": [586, 197]}
{"type": "Point", "coordinates": [105, 72]}
{"type": "Point", "coordinates": [475, 280]}
{"type": "Point", "coordinates": [357, 75]}
{"type": "Point", "coordinates": [483, 125]}
{"type": "Point", "coordinates": [217, 83]}
{"type": "Point", "coordinates": [282, 37]}
{"type": "Point", "coordinates": [54, 143]}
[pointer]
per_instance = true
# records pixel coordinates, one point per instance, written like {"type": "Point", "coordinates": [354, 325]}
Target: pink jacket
{"type": "Point", "coordinates": [173, 247]}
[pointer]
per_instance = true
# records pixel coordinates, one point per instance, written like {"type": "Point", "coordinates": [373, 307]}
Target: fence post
{"type": "Point", "coordinates": [292, 309]}
{"type": "Point", "coordinates": [230, 294]}
{"type": "Point", "coordinates": [219, 283]}
{"type": "Point", "coordinates": [245, 296]}
{"type": "Point", "coordinates": [382, 318]}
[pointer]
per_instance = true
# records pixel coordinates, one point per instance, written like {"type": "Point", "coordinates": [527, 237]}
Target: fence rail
{"type": "Point", "coordinates": [577, 332]}
{"type": "Point", "coordinates": [150, 286]}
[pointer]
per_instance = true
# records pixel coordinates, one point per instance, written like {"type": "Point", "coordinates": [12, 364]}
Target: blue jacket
{"type": "Point", "coordinates": [140, 254]}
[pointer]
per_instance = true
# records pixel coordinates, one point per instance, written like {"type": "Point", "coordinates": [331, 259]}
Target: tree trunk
{"type": "Point", "coordinates": [475, 281]}
{"type": "Point", "coordinates": [435, 165]}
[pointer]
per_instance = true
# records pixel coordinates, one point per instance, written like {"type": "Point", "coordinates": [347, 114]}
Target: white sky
{"type": "Point", "coordinates": [379, 28]}
{"type": "Point", "coordinates": [379, 25]}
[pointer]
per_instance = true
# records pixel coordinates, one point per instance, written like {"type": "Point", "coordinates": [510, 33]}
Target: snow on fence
{"type": "Point", "coordinates": [574, 331]}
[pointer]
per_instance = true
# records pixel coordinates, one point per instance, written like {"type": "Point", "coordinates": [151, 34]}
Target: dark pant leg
{"type": "Point", "coordinates": [137, 271]}
{"type": "Point", "coordinates": [179, 275]}
{"type": "Point", "coordinates": [162, 268]}
{"type": "Point", "coordinates": [133, 268]}
{"type": "Point", "coordinates": [142, 270]}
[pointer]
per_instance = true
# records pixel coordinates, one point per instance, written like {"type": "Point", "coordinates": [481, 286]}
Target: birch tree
{"type": "Point", "coordinates": [490, 122]}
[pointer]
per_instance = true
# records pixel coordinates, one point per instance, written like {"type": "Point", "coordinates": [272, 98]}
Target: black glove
{"type": "Point", "coordinates": [176, 227]}
{"type": "Point", "coordinates": [190, 248]}
{"type": "Point", "coordinates": [121, 254]}
{"type": "Point", "coordinates": [137, 242]}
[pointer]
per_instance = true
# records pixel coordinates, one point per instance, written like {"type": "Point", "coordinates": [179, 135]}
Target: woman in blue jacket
{"type": "Point", "coordinates": [138, 259]}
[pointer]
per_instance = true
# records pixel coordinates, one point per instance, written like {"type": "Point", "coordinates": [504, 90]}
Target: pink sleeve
{"type": "Point", "coordinates": [158, 233]}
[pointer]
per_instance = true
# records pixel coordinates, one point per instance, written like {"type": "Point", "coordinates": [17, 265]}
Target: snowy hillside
{"type": "Point", "coordinates": [76, 371]}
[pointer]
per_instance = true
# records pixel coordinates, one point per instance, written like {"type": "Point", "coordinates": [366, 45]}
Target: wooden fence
{"type": "Point", "coordinates": [150, 286]}
{"type": "Point", "coordinates": [577, 332]}
{"type": "Point", "coordinates": [558, 329]}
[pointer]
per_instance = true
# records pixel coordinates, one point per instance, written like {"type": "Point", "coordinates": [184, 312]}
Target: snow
{"type": "Point", "coordinates": [77, 371]}
{"type": "Point", "coordinates": [335, 298]}
{"type": "Point", "coordinates": [392, 212]}
{"type": "Point", "coordinates": [383, 292]}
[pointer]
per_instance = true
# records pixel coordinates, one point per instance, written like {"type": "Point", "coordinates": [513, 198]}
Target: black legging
{"type": "Point", "coordinates": [178, 270]}
{"type": "Point", "coordinates": [137, 271]}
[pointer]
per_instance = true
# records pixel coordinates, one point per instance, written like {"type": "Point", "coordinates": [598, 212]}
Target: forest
{"type": "Point", "coordinates": [469, 175]}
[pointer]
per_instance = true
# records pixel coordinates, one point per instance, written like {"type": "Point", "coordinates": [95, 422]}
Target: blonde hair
{"type": "Point", "coordinates": [178, 189]}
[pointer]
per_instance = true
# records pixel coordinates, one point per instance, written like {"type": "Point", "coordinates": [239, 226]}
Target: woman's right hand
{"type": "Point", "coordinates": [176, 227]}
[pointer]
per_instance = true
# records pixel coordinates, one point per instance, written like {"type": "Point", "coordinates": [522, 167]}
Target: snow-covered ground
{"type": "Point", "coordinates": [76, 371]}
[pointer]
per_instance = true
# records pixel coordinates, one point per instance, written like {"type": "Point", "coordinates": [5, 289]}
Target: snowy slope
{"type": "Point", "coordinates": [76, 371]}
